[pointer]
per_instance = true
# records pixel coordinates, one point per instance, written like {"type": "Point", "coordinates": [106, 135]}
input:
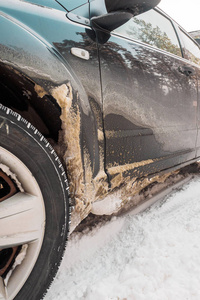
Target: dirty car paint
{"type": "Point", "coordinates": [120, 118]}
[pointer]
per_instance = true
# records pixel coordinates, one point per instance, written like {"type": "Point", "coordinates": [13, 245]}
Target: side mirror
{"type": "Point", "coordinates": [110, 21]}
{"type": "Point", "coordinates": [121, 11]}
{"type": "Point", "coordinates": [136, 7]}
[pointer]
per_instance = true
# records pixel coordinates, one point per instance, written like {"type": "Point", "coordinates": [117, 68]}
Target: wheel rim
{"type": "Point", "coordinates": [22, 223]}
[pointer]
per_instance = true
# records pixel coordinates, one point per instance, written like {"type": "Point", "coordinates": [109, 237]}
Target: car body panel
{"type": "Point", "coordinates": [115, 109]}
{"type": "Point", "coordinates": [150, 107]}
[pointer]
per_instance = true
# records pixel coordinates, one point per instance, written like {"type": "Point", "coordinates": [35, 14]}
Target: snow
{"type": "Point", "coordinates": [154, 255]}
{"type": "Point", "coordinates": [108, 206]}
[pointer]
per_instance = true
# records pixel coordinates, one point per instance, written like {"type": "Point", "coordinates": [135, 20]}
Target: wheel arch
{"type": "Point", "coordinates": [30, 68]}
{"type": "Point", "coordinates": [19, 93]}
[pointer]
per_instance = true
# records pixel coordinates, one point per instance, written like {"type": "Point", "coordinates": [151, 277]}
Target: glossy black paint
{"type": "Point", "coordinates": [137, 96]}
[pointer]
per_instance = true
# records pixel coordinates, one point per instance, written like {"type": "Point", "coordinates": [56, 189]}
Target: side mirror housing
{"type": "Point", "coordinates": [110, 21]}
{"type": "Point", "coordinates": [136, 7]}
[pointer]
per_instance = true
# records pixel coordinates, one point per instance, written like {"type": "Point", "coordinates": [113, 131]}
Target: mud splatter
{"type": "Point", "coordinates": [69, 141]}
{"type": "Point", "coordinates": [132, 192]}
{"type": "Point", "coordinates": [108, 206]}
{"type": "Point", "coordinates": [82, 189]}
{"type": "Point", "coordinates": [40, 91]}
{"type": "Point", "coordinates": [92, 194]}
{"type": "Point", "coordinates": [127, 167]}
{"type": "Point", "coordinates": [100, 135]}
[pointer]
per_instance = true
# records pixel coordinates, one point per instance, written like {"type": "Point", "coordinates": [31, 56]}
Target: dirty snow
{"type": "Point", "coordinates": [151, 256]}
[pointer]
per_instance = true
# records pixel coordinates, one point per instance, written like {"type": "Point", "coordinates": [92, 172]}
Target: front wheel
{"type": "Point", "coordinates": [34, 209]}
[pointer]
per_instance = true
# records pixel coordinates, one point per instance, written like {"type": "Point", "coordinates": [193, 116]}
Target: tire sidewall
{"type": "Point", "coordinates": [38, 159]}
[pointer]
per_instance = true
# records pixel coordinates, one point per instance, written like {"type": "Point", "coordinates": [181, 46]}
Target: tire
{"type": "Point", "coordinates": [34, 219]}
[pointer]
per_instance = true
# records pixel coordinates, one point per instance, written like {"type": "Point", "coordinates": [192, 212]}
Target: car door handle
{"type": "Point", "coordinates": [186, 70]}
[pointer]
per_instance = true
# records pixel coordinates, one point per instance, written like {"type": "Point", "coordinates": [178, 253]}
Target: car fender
{"type": "Point", "coordinates": [32, 66]}
{"type": "Point", "coordinates": [25, 51]}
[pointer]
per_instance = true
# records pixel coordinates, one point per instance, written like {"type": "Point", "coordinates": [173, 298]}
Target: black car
{"type": "Point", "coordinates": [112, 87]}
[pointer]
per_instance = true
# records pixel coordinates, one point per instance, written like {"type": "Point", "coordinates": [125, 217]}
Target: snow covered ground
{"type": "Point", "coordinates": [152, 256]}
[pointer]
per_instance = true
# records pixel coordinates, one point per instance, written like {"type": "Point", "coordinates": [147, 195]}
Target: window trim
{"type": "Point", "coordinates": [179, 29]}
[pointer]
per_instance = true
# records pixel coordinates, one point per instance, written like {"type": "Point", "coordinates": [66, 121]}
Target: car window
{"type": "Point", "coordinates": [191, 50]}
{"type": "Point", "coordinates": [154, 29]}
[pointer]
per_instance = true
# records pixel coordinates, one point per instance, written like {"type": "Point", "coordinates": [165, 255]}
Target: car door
{"type": "Point", "coordinates": [149, 100]}
{"type": "Point", "coordinates": [191, 52]}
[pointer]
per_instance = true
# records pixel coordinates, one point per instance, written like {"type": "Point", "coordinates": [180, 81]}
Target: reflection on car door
{"type": "Point", "coordinates": [192, 53]}
{"type": "Point", "coordinates": [149, 101]}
